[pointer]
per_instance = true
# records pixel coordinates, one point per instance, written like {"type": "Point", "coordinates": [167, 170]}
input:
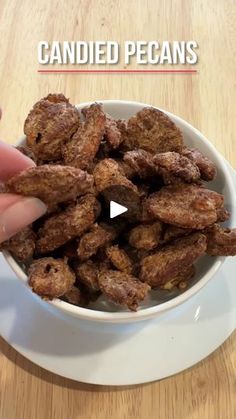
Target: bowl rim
{"type": "Point", "coordinates": [143, 313]}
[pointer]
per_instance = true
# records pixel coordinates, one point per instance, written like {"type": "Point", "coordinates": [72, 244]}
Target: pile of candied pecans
{"type": "Point", "coordinates": [83, 161]}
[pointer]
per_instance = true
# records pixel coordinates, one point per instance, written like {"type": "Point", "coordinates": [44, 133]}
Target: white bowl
{"type": "Point", "coordinates": [207, 266]}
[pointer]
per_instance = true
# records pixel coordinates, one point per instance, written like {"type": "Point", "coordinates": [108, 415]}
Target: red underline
{"type": "Point", "coordinates": [118, 71]}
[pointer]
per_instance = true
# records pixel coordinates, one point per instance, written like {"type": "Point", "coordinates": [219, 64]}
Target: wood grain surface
{"type": "Point", "coordinates": [206, 100]}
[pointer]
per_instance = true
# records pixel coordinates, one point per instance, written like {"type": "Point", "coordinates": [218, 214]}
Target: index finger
{"type": "Point", "coordinates": [12, 161]}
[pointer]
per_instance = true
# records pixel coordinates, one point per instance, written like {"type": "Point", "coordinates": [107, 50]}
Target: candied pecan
{"type": "Point", "coordinates": [70, 223]}
{"type": "Point", "coordinates": [50, 277]}
{"type": "Point", "coordinates": [76, 296]}
{"type": "Point", "coordinates": [87, 273]}
{"type": "Point", "coordinates": [166, 202]}
{"type": "Point", "coordinates": [221, 241]}
{"type": "Point", "coordinates": [172, 232]}
{"type": "Point", "coordinates": [22, 245]}
{"type": "Point", "coordinates": [112, 132]}
{"type": "Point", "coordinates": [172, 164]}
{"type": "Point", "coordinates": [153, 131]}
{"type": "Point", "coordinates": [51, 122]}
{"type": "Point", "coordinates": [122, 126]}
{"type": "Point", "coordinates": [56, 98]}
{"type": "Point", "coordinates": [119, 258]}
{"type": "Point", "coordinates": [206, 166]}
{"type": "Point", "coordinates": [125, 168]}
{"type": "Point", "coordinates": [114, 186]}
{"type": "Point", "coordinates": [122, 288]}
{"type": "Point", "coordinates": [141, 162]}
{"type": "Point", "coordinates": [146, 236]}
{"type": "Point", "coordinates": [168, 262]}
{"type": "Point", "coordinates": [98, 236]}
{"type": "Point", "coordinates": [136, 255]}
{"type": "Point", "coordinates": [113, 129]}
{"type": "Point", "coordinates": [222, 214]}
{"type": "Point", "coordinates": [181, 280]}
{"type": "Point", "coordinates": [146, 216]}
{"type": "Point", "coordinates": [81, 149]}
{"type": "Point", "coordinates": [107, 173]}
{"type": "Point", "coordinates": [52, 184]}
{"type": "Point", "coordinates": [187, 206]}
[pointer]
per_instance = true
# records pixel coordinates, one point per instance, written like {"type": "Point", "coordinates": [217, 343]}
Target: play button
{"type": "Point", "coordinates": [116, 209]}
{"type": "Point", "coordinates": [123, 201]}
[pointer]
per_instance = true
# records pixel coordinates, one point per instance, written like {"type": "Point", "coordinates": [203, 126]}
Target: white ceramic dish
{"type": "Point", "coordinates": [206, 267]}
{"type": "Point", "coordinates": [118, 354]}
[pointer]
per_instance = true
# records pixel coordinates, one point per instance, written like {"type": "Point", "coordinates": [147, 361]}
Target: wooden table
{"type": "Point", "coordinates": [207, 100]}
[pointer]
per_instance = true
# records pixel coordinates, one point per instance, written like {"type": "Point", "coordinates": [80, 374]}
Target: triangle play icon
{"type": "Point", "coordinates": [116, 209]}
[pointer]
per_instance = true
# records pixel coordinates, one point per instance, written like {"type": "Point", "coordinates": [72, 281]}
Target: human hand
{"type": "Point", "coordinates": [16, 212]}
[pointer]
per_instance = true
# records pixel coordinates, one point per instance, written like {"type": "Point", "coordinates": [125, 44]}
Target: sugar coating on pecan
{"type": "Point", "coordinates": [172, 164]}
{"type": "Point", "coordinates": [146, 236]}
{"type": "Point", "coordinates": [206, 166]}
{"type": "Point", "coordinates": [187, 206]}
{"type": "Point", "coordinates": [70, 223]}
{"type": "Point", "coordinates": [51, 122]}
{"type": "Point", "coordinates": [122, 288]}
{"type": "Point", "coordinates": [113, 133]}
{"type": "Point", "coordinates": [181, 280]}
{"type": "Point", "coordinates": [76, 296]}
{"type": "Point", "coordinates": [141, 162]}
{"type": "Point", "coordinates": [107, 173]}
{"type": "Point", "coordinates": [51, 278]}
{"type": "Point", "coordinates": [125, 169]}
{"type": "Point", "coordinates": [98, 236]}
{"type": "Point", "coordinates": [119, 259]}
{"type": "Point", "coordinates": [52, 184]}
{"type": "Point", "coordinates": [153, 131]}
{"type": "Point", "coordinates": [21, 245]}
{"type": "Point", "coordinates": [221, 241]}
{"type": "Point", "coordinates": [81, 149]}
{"type": "Point", "coordinates": [222, 214]}
{"type": "Point", "coordinates": [113, 129]}
{"type": "Point", "coordinates": [167, 263]}
{"type": "Point", "coordinates": [87, 273]}
{"type": "Point", "coordinates": [171, 232]}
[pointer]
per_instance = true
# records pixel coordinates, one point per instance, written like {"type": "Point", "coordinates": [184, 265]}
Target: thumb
{"type": "Point", "coordinates": [19, 215]}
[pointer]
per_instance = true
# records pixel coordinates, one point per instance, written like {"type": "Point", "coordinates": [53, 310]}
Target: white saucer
{"type": "Point", "coordinates": [118, 354]}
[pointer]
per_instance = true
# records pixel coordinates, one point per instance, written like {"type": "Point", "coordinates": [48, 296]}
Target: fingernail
{"type": "Point", "coordinates": [7, 200]}
{"type": "Point", "coordinates": [20, 215]}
